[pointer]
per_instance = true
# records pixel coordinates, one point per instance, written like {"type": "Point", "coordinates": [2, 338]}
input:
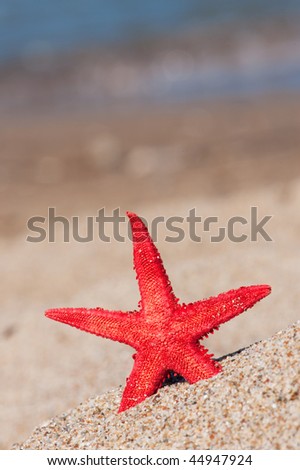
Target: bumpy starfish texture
{"type": "Point", "coordinates": [164, 333]}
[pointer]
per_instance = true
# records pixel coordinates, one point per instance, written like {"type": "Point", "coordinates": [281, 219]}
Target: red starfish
{"type": "Point", "coordinates": [164, 333]}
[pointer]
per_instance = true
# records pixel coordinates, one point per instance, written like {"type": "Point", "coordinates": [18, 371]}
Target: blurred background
{"type": "Point", "coordinates": [155, 107]}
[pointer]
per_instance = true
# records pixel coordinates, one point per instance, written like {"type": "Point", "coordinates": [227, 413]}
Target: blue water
{"type": "Point", "coordinates": [29, 26]}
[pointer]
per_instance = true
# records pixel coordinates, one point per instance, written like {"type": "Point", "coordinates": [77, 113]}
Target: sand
{"type": "Point", "coordinates": [253, 404]}
{"type": "Point", "coordinates": [220, 159]}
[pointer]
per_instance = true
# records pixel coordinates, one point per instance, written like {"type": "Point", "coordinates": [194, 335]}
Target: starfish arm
{"type": "Point", "coordinates": [205, 315]}
{"type": "Point", "coordinates": [146, 377]}
{"type": "Point", "coordinates": [194, 364]}
{"type": "Point", "coordinates": [154, 285]}
{"type": "Point", "coordinates": [115, 325]}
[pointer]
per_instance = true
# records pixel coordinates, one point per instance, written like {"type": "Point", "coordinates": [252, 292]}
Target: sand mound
{"type": "Point", "coordinates": [221, 159]}
{"type": "Point", "coordinates": [253, 404]}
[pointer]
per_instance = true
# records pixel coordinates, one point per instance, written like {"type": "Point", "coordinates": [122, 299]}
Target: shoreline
{"type": "Point", "coordinates": [233, 61]}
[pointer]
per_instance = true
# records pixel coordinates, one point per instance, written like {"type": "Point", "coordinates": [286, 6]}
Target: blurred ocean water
{"type": "Point", "coordinates": [29, 26]}
{"type": "Point", "coordinates": [71, 54]}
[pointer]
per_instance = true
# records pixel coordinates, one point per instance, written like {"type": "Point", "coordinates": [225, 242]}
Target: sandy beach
{"type": "Point", "coordinates": [253, 405]}
{"type": "Point", "coordinates": [221, 158]}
